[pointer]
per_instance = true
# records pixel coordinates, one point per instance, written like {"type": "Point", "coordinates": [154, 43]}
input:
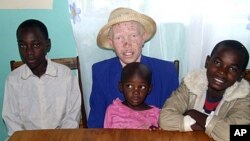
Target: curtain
{"type": "Point", "coordinates": [187, 30]}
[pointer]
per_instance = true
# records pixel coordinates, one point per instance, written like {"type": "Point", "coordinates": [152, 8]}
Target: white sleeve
{"type": "Point", "coordinates": [73, 114]}
{"type": "Point", "coordinates": [188, 121]}
{"type": "Point", "coordinates": [11, 113]}
{"type": "Point", "coordinates": [210, 116]}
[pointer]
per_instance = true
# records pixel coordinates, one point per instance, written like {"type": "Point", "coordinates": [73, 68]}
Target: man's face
{"type": "Point", "coordinates": [127, 39]}
{"type": "Point", "coordinates": [32, 47]}
{"type": "Point", "coordinates": [223, 69]}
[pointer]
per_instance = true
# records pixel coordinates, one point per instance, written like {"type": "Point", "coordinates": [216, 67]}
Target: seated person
{"type": "Point", "coordinates": [125, 33]}
{"type": "Point", "coordinates": [213, 98]}
{"type": "Point", "coordinates": [40, 94]}
{"type": "Point", "coordinates": [133, 112]}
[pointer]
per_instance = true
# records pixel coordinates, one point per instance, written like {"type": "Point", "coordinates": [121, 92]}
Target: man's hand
{"type": "Point", "coordinates": [199, 117]}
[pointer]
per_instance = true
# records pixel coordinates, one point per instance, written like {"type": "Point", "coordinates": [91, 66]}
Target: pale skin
{"type": "Point", "coordinates": [127, 39]}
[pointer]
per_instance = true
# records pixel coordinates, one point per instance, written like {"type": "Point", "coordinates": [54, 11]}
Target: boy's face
{"type": "Point", "coordinates": [223, 69]}
{"type": "Point", "coordinates": [135, 90]}
{"type": "Point", "coordinates": [33, 47]}
{"type": "Point", "coordinates": [127, 39]}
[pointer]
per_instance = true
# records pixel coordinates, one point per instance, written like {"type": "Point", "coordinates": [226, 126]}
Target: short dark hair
{"type": "Point", "coordinates": [34, 23]}
{"type": "Point", "coordinates": [237, 47]}
{"type": "Point", "coordinates": [136, 68]}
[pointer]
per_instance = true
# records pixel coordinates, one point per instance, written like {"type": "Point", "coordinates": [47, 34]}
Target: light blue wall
{"type": "Point", "coordinates": [58, 23]}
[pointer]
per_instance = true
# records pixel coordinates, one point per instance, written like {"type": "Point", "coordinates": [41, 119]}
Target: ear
{"type": "Point", "coordinates": [110, 42]}
{"type": "Point", "coordinates": [120, 87]}
{"type": "Point", "coordinates": [48, 45]}
{"type": "Point", "coordinates": [207, 61]}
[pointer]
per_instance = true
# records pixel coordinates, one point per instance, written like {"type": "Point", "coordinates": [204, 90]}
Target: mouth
{"type": "Point", "coordinates": [127, 54]}
{"type": "Point", "coordinates": [30, 61]}
{"type": "Point", "coordinates": [135, 98]}
{"type": "Point", "coordinates": [218, 80]}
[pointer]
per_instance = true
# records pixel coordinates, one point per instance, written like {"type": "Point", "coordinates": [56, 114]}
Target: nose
{"type": "Point", "coordinates": [222, 71]}
{"type": "Point", "coordinates": [136, 91]}
{"type": "Point", "coordinates": [127, 42]}
{"type": "Point", "coordinates": [30, 50]}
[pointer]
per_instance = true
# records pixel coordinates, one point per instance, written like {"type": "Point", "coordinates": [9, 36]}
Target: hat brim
{"type": "Point", "coordinates": [147, 22]}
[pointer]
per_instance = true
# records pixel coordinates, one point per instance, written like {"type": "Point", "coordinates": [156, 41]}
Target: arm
{"type": "Point", "coordinates": [97, 102]}
{"type": "Point", "coordinates": [73, 109]}
{"type": "Point", "coordinates": [171, 115]}
{"type": "Point", "coordinates": [107, 119]}
{"type": "Point", "coordinates": [199, 117]}
{"type": "Point", "coordinates": [237, 112]}
{"type": "Point", "coordinates": [170, 79]}
{"type": "Point", "coordinates": [11, 113]}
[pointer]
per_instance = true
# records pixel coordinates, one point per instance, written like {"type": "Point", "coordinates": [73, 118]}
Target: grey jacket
{"type": "Point", "coordinates": [234, 107]}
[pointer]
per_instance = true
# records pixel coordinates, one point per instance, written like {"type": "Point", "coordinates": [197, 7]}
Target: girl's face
{"type": "Point", "coordinates": [223, 69]}
{"type": "Point", "coordinates": [33, 47]}
{"type": "Point", "coordinates": [135, 90]}
{"type": "Point", "coordinates": [127, 39]}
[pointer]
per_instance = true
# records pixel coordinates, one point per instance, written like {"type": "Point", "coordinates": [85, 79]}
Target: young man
{"type": "Point", "coordinates": [40, 94]}
{"type": "Point", "coordinates": [214, 98]}
{"type": "Point", "coordinates": [125, 33]}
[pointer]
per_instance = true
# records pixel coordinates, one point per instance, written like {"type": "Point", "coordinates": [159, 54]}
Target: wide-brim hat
{"type": "Point", "coordinates": [124, 15]}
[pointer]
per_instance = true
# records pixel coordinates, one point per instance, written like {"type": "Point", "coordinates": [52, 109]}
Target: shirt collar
{"type": "Point", "coordinates": [51, 70]}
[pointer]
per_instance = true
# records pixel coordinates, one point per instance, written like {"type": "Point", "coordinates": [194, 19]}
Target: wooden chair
{"type": "Point", "coordinates": [74, 64]}
{"type": "Point", "coordinates": [177, 64]}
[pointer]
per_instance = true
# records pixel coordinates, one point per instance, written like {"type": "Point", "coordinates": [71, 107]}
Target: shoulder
{"type": "Point", "coordinates": [116, 106]}
{"type": "Point", "coordinates": [239, 90]}
{"type": "Point", "coordinates": [196, 81]}
{"type": "Point", "coordinates": [16, 73]}
{"type": "Point", "coordinates": [155, 109]}
{"type": "Point", "coordinates": [152, 60]}
{"type": "Point", "coordinates": [158, 64]}
{"type": "Point", "coordinates": [105, 63]}
{"type": "Point", "coordinates": [60, 68]}
{"type": "Point", "coordinates": [160, 67]}
{"type": "Point", "coordinates": [111, 65]}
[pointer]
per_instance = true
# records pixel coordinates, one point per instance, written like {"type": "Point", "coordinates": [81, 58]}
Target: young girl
{"type": "Point", "coordinates": [214, 98]}
{"type": "Point", "coordinates": [133, 112]}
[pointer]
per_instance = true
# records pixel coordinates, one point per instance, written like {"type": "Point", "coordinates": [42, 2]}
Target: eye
{"type": "Point", "coordinates": [36, 45]}
{"type": "Point", "coordinates": [117, 37]}
{"type": "Point", "coordinates": [134, 35]}
{"type": "Point", "coordinates": [23, 46]}
{"type": "Point", "coordinates": [217, 63]}
{"type": "Point", "coordinates": [129, 86]}
{"type": "Point", "coordinates": [142, 87]}
{"type": "Point", "coordinates": [233, 69]}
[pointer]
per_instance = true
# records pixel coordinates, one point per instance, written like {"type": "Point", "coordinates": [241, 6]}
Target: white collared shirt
{"type": "Point", "coordinates": [49, 102]}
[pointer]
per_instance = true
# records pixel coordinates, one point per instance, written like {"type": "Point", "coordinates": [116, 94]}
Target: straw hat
{"type": "Point", "coordinates": [123, 15]}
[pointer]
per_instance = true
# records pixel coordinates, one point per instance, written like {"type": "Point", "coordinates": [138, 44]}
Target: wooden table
{"type": "Point", "coordinates": [107, 135]}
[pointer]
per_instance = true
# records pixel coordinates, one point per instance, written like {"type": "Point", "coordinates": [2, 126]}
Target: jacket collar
{"type": "Point", "coordinates": [197, 83]}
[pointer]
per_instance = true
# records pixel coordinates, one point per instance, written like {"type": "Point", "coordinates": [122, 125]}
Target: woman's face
{"type": "Point", "coordinates": [127, 39]}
